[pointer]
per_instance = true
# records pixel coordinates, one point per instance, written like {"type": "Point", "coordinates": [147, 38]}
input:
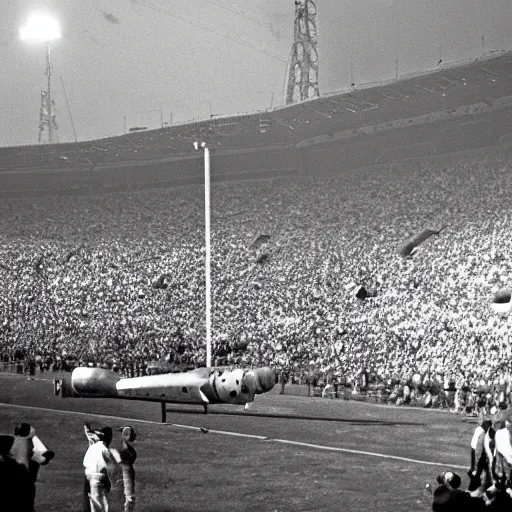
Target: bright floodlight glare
{"type": "Point", "coordinates": [40, 27]}
{"type": "Point", "coordinates": [196, 145]}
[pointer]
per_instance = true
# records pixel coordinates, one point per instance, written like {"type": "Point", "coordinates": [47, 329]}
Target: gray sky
{"type": "Point", "coordinates": [194, 58]}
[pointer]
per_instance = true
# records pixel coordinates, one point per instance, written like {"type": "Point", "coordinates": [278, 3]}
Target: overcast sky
{"type": "Point", "coordinates": [143, 59]}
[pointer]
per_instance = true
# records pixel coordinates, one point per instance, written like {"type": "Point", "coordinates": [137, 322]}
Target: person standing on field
{"type": "Point", "coordinates": [128, 455]}
{"type": "Point", "coordinates": [99, 463]}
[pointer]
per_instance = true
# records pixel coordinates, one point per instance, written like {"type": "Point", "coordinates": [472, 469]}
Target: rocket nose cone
{"type": "Point", "coordinates": [265, 378]}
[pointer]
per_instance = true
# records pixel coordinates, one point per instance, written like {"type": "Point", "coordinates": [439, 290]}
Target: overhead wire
{"type": "Point", "coordinates": [202, 26]}
{"type": "Point", "coordinates": [241, 13]}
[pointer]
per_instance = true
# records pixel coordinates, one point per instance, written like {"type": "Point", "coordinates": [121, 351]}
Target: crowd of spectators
{"type": "Point", "coordinates": [118, 280]}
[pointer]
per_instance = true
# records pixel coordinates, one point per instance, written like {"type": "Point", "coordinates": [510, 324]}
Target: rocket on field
{"type": "Point", "coordinates": [201, 386]}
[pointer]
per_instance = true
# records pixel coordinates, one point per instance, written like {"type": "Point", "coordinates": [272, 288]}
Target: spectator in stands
{"type": "Point", "coordinates": [101, 262]}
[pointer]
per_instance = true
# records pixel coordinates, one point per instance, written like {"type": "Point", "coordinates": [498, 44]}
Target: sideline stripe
{"type": "Point", "coordinates": [224, 432]}
{"type": "Point", "coordinates": [372, 454]}
{"type": "Point", "coordinates": [261, 438]}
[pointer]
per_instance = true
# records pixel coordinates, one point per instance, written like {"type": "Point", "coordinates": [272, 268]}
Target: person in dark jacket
{"type": "Point", "coordinates": [16, 486]}
{"type": "Point", "coordinates": [500, 500]}
{"type": "Point", "coordinates": [449, 498]}
{"type": "Point", "coordinates": [30, 452]}
{"type": "Point", "coordinates": [128, 456]}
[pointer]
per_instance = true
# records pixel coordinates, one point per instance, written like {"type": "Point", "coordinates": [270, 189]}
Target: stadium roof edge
{"type": "Point", "coordinates": [490, 55]}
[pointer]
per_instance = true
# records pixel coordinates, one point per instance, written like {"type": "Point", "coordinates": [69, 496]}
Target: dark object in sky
{"type": "Point", "coordinates": [262, 258]}
{"type": "Point", "coordinates": [502, 296]}
{"type": "Point", "coordinates": [502, 301]}
{"type": "Point", "coordinates": [160, 283]}
{"type": "Point", "coordinates": [409, 248]}
{"type": "Point", "coordinates": [38, 267]}
{"type": "Point", "coordinates": [72, 253]}
{"type": "Point", "coordinates": [259, 241]}
{"type": "Point", "coordinates": [364, 293]}
{"type": "Point", "coordinates": [111, 18]}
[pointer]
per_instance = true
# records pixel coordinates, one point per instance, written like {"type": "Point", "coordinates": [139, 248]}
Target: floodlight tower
{"type": "Point", "coordinates": [302, 72]}
{"type": "Point", "coordinates": [44, 28]}
{"type": "Point", "coordinates": [207, 250]}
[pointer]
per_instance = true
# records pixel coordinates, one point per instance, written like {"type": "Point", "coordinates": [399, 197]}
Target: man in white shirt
{"type": "Point", "coordinates": [99, 463]}
{"type": "Point", "coordinates": [482, 455]}
{"type": "Point", "coordinates": [503, 447]}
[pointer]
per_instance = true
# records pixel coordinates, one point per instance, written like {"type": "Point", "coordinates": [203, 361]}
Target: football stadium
{"type": "Point", "coordinates": [347, 253]}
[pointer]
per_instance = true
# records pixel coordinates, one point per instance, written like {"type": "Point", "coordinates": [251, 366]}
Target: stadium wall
{"type": "Point", "coordinates": [324, 155]}
{"type": "Point", "coordinates": [248, 164]}
{"type": "Point", "coordinates": [452, 110]}
{"type": "Point", "coordinates": [362, 41]}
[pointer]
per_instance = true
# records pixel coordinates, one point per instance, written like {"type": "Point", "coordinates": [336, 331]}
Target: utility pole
{"type": "Point", "coordinates": [302, 72]}
{"type": "Point", "coordinates": [207, 237]}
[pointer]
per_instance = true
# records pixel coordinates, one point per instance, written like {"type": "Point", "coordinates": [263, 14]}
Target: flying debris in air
{"type": "Point", "coordinates": [412, 245]}
{"type": "Point", "coordinates": [259, 241]}
{"type": "Point", "coordinates": [111, 18]}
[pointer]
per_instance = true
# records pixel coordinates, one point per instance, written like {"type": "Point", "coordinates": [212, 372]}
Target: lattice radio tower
{"type": "Point", "coordinates": [47, 118]}
{"type": "Point", "coordinates": [302, 73]}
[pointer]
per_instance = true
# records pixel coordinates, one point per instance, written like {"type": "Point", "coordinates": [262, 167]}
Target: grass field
{"type": "Point", "coordinates": [391, 453]}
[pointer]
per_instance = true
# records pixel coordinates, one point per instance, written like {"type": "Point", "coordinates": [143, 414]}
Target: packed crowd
{"type": "Point", "coordinates": [119, 280]}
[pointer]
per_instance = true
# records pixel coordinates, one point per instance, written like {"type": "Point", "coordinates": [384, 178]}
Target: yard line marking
{"type": "Point", "coordinates": [360, 452]}
{"type": "Point", "coordinates": [224, 432]}
{"type": "Point", "coordinates": [220, 431]}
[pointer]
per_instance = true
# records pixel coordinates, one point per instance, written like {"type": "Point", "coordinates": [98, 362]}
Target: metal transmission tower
{"type": "Point", "coordinates": [47, 119]}
{"type": "Point", "coordinates": [302, 73]}
{"type": "Point", "coordinates": [43, 28]}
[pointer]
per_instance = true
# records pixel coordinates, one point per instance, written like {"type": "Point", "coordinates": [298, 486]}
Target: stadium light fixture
{"type": "Point", "coordinates": [43, 28]}
{"type": "Point", "coordinates": [207, 249]}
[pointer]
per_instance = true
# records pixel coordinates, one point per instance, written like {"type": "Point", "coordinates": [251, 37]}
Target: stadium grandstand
{"type": "Point", "coordinates": [102, 258]}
